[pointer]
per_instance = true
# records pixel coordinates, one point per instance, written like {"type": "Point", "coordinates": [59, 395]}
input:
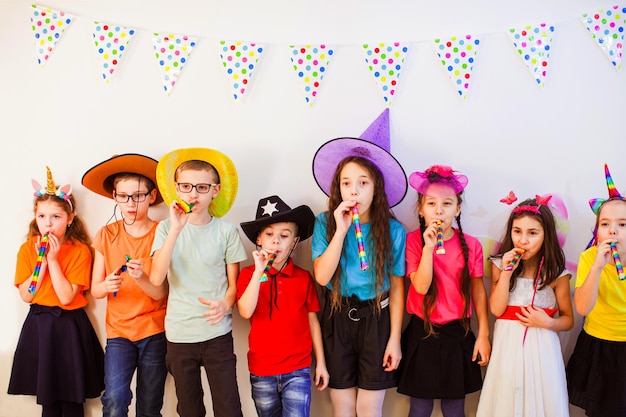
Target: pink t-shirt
{"type": "Point", "coordinates": [448, 270]}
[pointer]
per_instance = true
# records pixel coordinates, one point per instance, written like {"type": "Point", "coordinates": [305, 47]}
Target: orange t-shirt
{"type": "Point", "coordinates": [131, 313]}
{"type": "Point", "coordinates": [75, 261]}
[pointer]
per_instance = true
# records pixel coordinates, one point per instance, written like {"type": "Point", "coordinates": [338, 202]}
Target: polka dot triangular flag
{"type": "Point", "coordinates": [239, 59]}
{"type": "Point", "coordinates": [111, 42]}
{"type": "Point", "coordinates": [310, 63]}
{"type": "Point", "coordinates": [385, 62]}
{"type": "Point", "coordinates": [533, 44]}
{"type": "Point", "coordinates": [457, 57]}
{"type": "Point", "coordinates": [48, 26]}
{"type": "Point", "coordinates": [607, 28]}
{"type": "Point", "coordinates": [172, 53]}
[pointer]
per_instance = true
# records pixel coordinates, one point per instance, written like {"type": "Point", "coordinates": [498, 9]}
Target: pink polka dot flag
{"type": "Point", "coordinates": [239, 59]}
{"type": "Point", "coordinates": [607, 28]}
{"type": "Point", "coordinates": [310, 63]}
{"type": "Point", "coordinates": [48, 26]}
{"type": "Point", "coordinates": [457, 57]}
{"type": "Point", "coordinates": [533, 44]}
{"type": "Point", "coordinates": [385, 62]}
{"type": "Point", "coordinates": [111, 42]}
{"type": "Point", "coordinates": [172, 53]}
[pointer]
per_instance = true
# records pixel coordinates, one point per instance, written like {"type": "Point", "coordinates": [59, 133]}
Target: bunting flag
{"type": "Point", "coordinates": [385, 63]}
{"type": "Point", "coordinates": [607, 28]}
{"type": "Point", "coordinates": [533, 44]}
{"type": "Point", "coordinates": [110, 42]}
{"type": "Point", "coordinates": [458, 56]}
{"type": "Point", "coordinates": [48, 25]}
{"type": "Point", "coordinates": [172, 52]}
{"type": "Point", "coordinates": [310, 63]}
{"type": "Point", "coordinates": [239, 60]}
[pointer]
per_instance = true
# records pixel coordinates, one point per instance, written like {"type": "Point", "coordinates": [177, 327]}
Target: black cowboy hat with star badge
{"type": "Point", "coordinates": [274, 210]}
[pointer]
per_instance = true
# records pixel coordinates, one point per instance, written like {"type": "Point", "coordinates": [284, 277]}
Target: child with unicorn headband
{"type": "Point", "coordinates": [58, 357]}
{"type": "Point", "coordinates": [526, 374]}
{"type": "Point", "coordinates": [596, 371]}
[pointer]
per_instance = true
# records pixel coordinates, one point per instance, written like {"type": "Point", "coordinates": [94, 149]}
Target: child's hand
{"type": "Point", "coordinates": [178, 216]}
{"type": "Point", "coordinates": [216, 311]}
{"type": "Point", "coordinates": [509, 256]}
{"type": "Point", "coordinates": [430, 234]}
{"type": "Point", "coordinates": [532, 316]}
{"type": "Point", "coordinates": [343, 216]}
{"type": "Point", "coordinates": [260, 259]}
{"type": "Point", "coordinates": [604, 254]}
{"type": "Point", "coordinates": [53, 248]}
{"type": "Point", "coordinates": [134, 267]}
{"type": "Point", "coordinates": [113, 282]}
{"type": "Point", "coordinates": [392, 356]}
{"type": "Point", "coordinates": [482, 351]}
{"type": "Point", "coordinates": [321, 377]}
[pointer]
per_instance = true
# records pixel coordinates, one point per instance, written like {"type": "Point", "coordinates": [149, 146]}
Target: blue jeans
{"type": "Point", "coordinates": [121, 359]}
{"type": "Point", "coordinates": [286, 395]}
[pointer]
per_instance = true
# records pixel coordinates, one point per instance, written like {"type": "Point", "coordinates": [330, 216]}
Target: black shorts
{"type": "Point", "coordinates": [355, 339]}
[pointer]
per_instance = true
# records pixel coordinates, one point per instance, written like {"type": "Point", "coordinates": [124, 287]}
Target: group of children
{"type": "Point", "coordinates": [171, 287]}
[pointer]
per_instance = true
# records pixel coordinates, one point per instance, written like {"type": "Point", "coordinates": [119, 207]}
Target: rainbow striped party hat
{"type": "Point", "coordinates": [595, 203]}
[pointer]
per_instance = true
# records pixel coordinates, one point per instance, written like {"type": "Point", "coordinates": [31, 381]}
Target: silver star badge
{"type": "Point", "coordinates": [269, 208]}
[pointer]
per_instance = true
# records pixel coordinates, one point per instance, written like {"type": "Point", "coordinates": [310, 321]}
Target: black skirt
{"type": "Point", "coordinates": [596, 376]}
{"type": "Point", "coordinates": [58, 357]}
{"type": "Point", "coordinates": [438, 366]}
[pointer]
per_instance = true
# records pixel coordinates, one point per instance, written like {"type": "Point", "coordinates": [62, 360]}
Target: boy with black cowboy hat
{"type": "Point", "coordinates": [280, 299]}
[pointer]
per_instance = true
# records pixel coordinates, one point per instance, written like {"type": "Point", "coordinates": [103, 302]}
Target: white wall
{"type": "Point", "coordinates": [509, 133]}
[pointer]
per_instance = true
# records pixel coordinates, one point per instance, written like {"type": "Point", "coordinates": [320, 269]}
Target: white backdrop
{"type": "Point", "coordinates": [508, 134]}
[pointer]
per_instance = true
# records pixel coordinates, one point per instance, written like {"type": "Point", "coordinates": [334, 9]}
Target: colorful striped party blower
{"type": "Point", "coordinates": [121, 269]}
{"type": "Point", "coordinates": [515, 260]}
{"type": "Point", "coordinates": [359, 238]}
{"type": "Point", "coordinates": [618, 262]}
{"type": "Point", "coordinates": [268, 266]}
{"type": "Point", "coordinates": [440, 249]}
{"type": "Point", "coordinates": [42, 251]}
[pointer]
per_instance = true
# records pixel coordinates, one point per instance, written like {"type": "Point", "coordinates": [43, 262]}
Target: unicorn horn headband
{"type": "Point", "coordinates": [64, 192]}
{"type": "Point", "coordinates": [512, 198]}
{"type": "Point", "coordinates": [595, 203]}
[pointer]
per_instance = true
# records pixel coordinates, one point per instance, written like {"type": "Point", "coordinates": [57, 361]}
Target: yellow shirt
{"type": "Point", "coordinates": [607, 319]}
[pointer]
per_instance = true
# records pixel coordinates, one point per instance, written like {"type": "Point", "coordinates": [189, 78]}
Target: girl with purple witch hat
{"type": "Point", "coordinates": [358, 254]}
{"type": "Point", "coordinates": [596, 371]}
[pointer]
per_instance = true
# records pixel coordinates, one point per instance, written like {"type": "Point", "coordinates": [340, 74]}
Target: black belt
{"type": "Point", "coordinates": [357, 313]}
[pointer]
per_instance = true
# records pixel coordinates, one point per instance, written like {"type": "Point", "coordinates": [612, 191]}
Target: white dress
{"type": "Point", "coordinates": [525, 380]}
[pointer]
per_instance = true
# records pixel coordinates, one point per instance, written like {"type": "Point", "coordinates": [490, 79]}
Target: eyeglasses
{"type": "Point", "coordinates": [185, 187]}
{"type": "Point", "coordinates": [137, 197]}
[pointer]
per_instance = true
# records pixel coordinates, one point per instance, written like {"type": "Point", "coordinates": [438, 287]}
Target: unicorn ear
{"type": "Point", "coordinates": [38, 188]}
{"type": "Point", "coordinates": [65, 191]}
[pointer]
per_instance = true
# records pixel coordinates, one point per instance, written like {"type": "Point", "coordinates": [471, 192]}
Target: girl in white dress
{"type": "Point", "coordinates": [526, 374]}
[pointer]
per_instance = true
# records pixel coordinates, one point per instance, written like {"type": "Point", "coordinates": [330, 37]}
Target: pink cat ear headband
{"type": "Point", "coordinates": [512, 198]}
{"type": "Point", "coordinates": [64, 192]}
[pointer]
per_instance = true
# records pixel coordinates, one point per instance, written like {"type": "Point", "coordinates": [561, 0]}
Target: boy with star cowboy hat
{"type": "Point", "coordinates": [280, 299]}
{"type": "Point", "coordinates": [198, 253]}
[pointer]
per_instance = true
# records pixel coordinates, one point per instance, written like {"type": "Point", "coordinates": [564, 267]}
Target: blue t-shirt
{"type": "Point", "coordinates": [354, 281]}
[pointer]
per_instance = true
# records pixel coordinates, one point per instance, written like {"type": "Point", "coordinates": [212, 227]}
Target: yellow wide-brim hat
{"type": "Point", "coordinates": [99, 178]}
{"type": "Point", "coordinates": [223, 164]}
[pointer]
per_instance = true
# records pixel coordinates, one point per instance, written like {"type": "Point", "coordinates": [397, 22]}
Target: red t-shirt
{"type": "Point", "coordinates": [282, 344]}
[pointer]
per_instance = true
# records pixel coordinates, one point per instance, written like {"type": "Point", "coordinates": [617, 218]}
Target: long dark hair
{"type": "Point", "coordinates": [551, 251]}
{"type": "Point", "coordinates": [380, 235]}
{"type": "Point", "coordinates": [430, 298]}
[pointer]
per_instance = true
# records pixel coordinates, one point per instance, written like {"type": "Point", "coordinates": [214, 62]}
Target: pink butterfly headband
{"type": "Point", "coordinates": [512, 198]}
{"type": "Point", "coordinates": [64, 192]}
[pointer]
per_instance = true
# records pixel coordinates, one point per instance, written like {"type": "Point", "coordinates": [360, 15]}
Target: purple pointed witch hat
{"type": "Point", "coordinates": [373, 145]}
